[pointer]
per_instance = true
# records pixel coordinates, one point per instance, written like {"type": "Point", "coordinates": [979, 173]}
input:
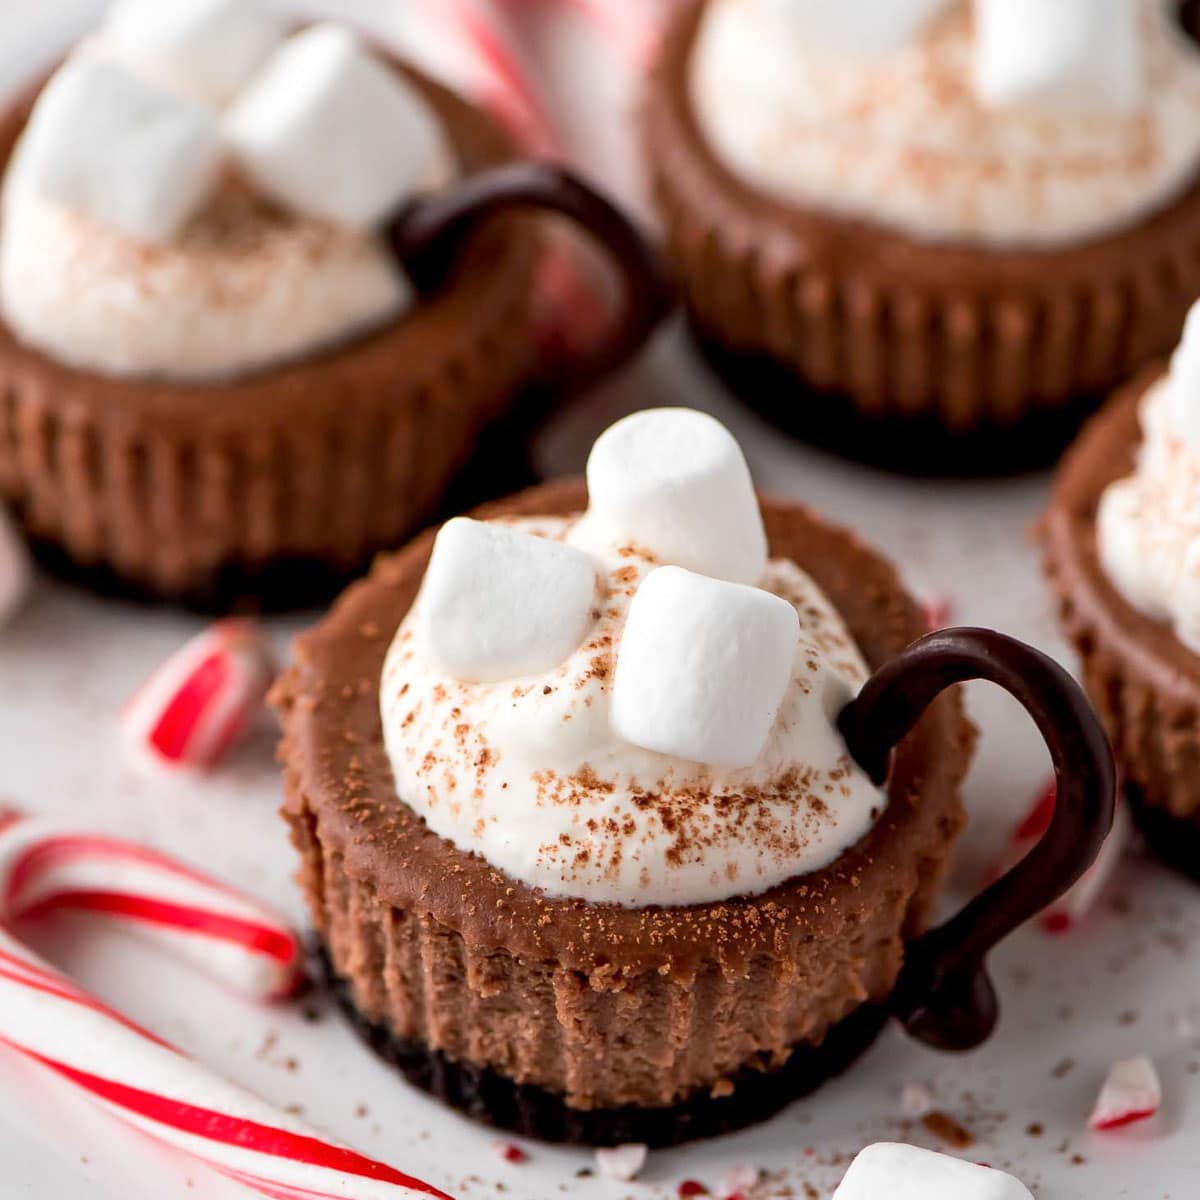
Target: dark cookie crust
{"type": "Point", "coordinates": [755, 1093]}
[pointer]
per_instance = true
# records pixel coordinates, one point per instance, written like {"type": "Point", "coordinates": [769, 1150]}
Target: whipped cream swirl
{"type": "Point", "coordinates": [245, 286]}
{"type": "Point", "coordinates": [1148, 524]}
{"type": "Point", "coordinates": [902, 139]}
{"type": "Point", "coordinates": [529, 774]}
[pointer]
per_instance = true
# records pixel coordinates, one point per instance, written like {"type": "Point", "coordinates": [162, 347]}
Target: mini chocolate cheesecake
{"type": "Point", "coordinates": [601, 848]}
{"type": "Point", "coordinates": [1142, 677]}
{"type": "Point", "coordinates": [891, 265]}
{"type": "Point", "coordinates": [235, 386]}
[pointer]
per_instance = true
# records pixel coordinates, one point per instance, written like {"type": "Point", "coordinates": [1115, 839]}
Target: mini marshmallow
{"type": "Point", "coordinates": [500, 604]}
{"type": "Point", "coordinates": [864, 28]}
{"type": "Point", "coordinates": [118, 150]}
{"type": "Point", "coordinates": [674, 481]}
{"type": "Point", "coordinates": [892, 1171]}
{"type": "Point", "coordinates": [208, 48]}
{"type": "Point", "coordinates": [330, 131]}
{"type": "Point", "coordinates": [16, 571]}
{"type": "Point", "coordinates": [1075, 55]}
{"type": "Point", "coordinates": [703, 667]}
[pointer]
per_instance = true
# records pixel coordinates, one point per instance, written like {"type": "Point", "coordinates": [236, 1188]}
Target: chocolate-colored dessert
{"type": "Point", "coordinates": [238, 358]}
{"type": "Point", "coordinates": [897, 242]}
{"type": "Point", "coordinates": [601, 849]}
{"type": "Point", "coordinates": [1124, 511]}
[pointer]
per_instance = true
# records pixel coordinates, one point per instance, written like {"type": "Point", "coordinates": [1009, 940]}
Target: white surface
{"type": "Point", "coordinates": [1127, 982]}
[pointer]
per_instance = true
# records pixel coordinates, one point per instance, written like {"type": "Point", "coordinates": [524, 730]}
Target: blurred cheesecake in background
{"type": "Point", "coordinates": [931, 233]}
{"type": "Point", "coordinates": [255, 311]}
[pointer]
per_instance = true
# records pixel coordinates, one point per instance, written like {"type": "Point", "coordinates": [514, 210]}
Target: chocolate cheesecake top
{"type": "Point", "coordinates": [334, 754]}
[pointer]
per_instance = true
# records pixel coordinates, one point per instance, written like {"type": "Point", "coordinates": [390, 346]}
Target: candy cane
{"type": "Point", "coordinates": [503, 81]}
{"type": "Point", "coordinates": [128, 1070]}
{"type": "Point", "coordinates": [1071, 907]}
{"type": "Point", "coordinates": [204, 697]}
{"type": "Point", "coordinates": [631, 26]}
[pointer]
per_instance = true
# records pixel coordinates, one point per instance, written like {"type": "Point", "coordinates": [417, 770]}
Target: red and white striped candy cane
{"type": "Point", "coordinates": [1074, 904]}
{"type": "Point", "coordinates": [503, 78]}
{"type": "Point", "coordinates": [204, 697]}
{"type": "Point", "coordinates": [631, 26]}
{"type": "Point", "coordinates": [47, 867]}
{"type": "Point", "coordinates": [574, 313]}
{"type": "Point", "coordinates": [128, 1070]}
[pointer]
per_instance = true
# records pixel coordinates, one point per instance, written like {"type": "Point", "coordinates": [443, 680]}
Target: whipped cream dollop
{"type": "Point", "coordinates": [247, 280]}
{"type": "Point", "coordinates": [541, 774]}
{"type": "Point", "coordinates": [1148, 524]}
{"type": "Point", "coordinates": [246, 285]}
{"type": "Point", "coordinates": [904, 139]}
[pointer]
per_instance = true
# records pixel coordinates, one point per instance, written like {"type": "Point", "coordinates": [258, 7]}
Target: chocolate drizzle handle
{"type": "Point", "coordinates": [944, 996]}
{"type": "Point", "coordinates": [428, 235]}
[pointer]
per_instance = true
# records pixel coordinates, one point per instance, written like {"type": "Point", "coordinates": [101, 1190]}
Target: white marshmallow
{"type": "Point", "coordinates": [332, 132]}
{"type": "Point", "coordinates": [16, 571]}
{"type": "Point", "coordinates": [864, 28]}
{"type": "Point", "coordinates": [675, 482]}
{"type": "Point", "coordinates": [891, 1171]}
{"type": "Point", "coordinates": [208, 48]}
{"type": "Point", "coordinates": [1074, 55]}
{"type": "Point", "coordinates": [106, 144]}
{"type": "Point", "coordinates": [703, 667]}
{"type": "Point", "coordinates": [1183, 382]}
{"type": "Point", "coordinates": [499, 604]}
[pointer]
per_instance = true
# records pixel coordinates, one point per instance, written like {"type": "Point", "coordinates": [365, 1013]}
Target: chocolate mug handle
{"type": "Point", "coordinates": [944, 996]}
{"type": "Point", "coordinates": [430, 232]}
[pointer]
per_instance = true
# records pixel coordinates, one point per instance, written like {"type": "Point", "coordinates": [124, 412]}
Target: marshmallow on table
{"type": "Point", "coordinates": [330, 131]}
{"type": "Point", "coordinates": [703, 667]}
{"type": "Point", "coordinates": [209, 48]}
{"type": "Point", "coordinates": [892, 1171]}
{"type": "Point", "coordinates": [16, 573]}
{"type": "Point", "coordinates": [1076, 55]}
{"type": "Point", "coordinates": [674, 481]}
{"type": "Point", "coordinates": [106, 144]}
{"type": "Point", "coordinates": [859, 27]}
{"type": "Point", "coordinates": [500, 604]}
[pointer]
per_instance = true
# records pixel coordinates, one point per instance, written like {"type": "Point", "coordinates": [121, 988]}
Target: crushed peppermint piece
{"type": "Point", "coordinates": [738, 1180]}
{"type": "Point", "coordinates": [511, 1152]}
{"type": "Point", "coordinates": [621, 1162]}
{"type": "Point", "coordinates": [1131, 1092]}
{"type": "Point", "coordinates": [938, 611]}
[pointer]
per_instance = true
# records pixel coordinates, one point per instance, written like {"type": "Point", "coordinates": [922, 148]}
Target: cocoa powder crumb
{"type": "Point", "coordinates": [947, 1129]}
